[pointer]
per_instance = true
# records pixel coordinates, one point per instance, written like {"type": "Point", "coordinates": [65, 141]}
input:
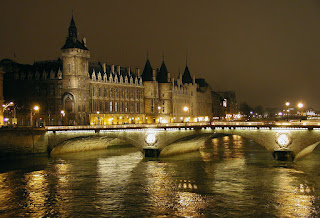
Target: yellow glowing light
{"type": "Point", "coordinates": [287, 104]}
{"type": "Point", "coordinates": [36, 108]}
{"type": "Point", "coordinates": [151, 138]}
{"type": "Point", "coordinates": [185, 108]}
{"type": "Point", "coordinates": [300, 105]}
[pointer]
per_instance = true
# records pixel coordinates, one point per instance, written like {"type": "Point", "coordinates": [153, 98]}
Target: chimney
{"type": "Point", "coordinates": [154, 75]}
{"type": "Point", "coordinates": [104, 67]}
{"type": "Point", "coordinates": [194, 79]}
{"type": "Point", "coordinates": [112, 69]}
{"type": "Point", "coordinates": [138, 72]}
{"type": "Point", "coordinates": [84, 40]}
{"type": "Point", "coordinates": [129, 71]}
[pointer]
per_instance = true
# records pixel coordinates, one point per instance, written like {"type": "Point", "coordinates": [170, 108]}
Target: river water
{"type": "Point", "coordinates": [228, 177]}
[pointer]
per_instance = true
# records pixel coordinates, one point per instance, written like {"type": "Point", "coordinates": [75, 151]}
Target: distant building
{"type": "Point", "coordinates": [224, 102]}
{"type": "Point", "coordinates": [73, 91]}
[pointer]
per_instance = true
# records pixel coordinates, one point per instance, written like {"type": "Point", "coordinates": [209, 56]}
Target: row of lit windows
{"type": "Point", "coordinates": [116, 93]}
{"type": "Point", "coordinates": [114, 106]}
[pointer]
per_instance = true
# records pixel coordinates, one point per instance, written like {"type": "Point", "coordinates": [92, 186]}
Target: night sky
{"type": "Point", "coordinates": [266, 51]}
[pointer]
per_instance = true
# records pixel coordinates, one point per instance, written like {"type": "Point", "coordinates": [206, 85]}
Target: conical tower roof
{"type": "Point", "coordinates": [186, 77]}
{"type": "Point", "coordinates": [147, 74]}
{"type": "Point", "coordinates": [162, 75]}
{"type": "Point", "coordinates": [72, 39]}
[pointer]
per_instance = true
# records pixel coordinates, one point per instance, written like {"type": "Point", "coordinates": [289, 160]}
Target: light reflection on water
{"type": "Point", "coordinates": [229, 176]}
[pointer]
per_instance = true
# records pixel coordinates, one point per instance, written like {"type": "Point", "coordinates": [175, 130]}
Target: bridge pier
{"type": "Point", "coordinates": [151, 152]}
{"type": "Point", "coordinates": [283, 155]}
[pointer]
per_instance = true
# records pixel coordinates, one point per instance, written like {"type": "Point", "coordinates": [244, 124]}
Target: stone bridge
{"type": "Point", "coordinates": [286, 141]}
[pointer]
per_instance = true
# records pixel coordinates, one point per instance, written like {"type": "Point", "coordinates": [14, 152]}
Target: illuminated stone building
{"type": "Point", "coordinates": [74, 91]}
{"type": "Point", "coordinates": [185, 100]}
{"type": "Point", "coordinates": [116, 95]}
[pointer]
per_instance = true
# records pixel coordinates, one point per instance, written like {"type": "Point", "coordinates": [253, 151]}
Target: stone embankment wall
{"type": "Point", "coordinates": [23, 140]}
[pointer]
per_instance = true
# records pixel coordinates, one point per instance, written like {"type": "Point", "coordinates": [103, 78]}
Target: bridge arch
{"type": "Point", "coordinates": [198, 138]}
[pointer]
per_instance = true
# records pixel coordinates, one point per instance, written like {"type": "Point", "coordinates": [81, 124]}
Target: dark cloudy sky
{"type": "Point", "coordinates": [268, 51]}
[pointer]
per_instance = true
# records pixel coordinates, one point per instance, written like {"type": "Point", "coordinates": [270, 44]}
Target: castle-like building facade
{"type": "Point", "coordinates": [74, 91]}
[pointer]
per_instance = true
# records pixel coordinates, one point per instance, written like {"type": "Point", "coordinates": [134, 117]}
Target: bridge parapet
{"type": "Point", "coordinates": [295, 139]}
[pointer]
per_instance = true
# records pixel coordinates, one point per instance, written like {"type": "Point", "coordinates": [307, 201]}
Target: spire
{"type": "Point", "coordinates": [73, 33]}
{"type": "Point", "coordinates": [72, 39]}
{"type": "Point", "coordinates": [147, 73]}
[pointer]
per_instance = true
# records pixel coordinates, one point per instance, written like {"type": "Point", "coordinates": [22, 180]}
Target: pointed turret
{"type": "Point", "coordinates": [186, 77]}
{"type": "Point", "coordinates": [72, 39]}
{"type": "Point", "coordinates": [73, 33]}
{"type": "Point", "coordinates": [147, 73]}
{"type": "Point", "coordinates": [162, 75]}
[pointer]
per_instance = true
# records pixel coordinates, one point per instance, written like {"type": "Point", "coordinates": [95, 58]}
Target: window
{"type": "Point", "coordinates": [105, 92]}
{"type": "Point", "coordinates": [69, 68]}
{"type": "Point", "coordinates": [121, 106]}
{"type": "Point", "coordinates": [126, 107]}
{"type": "Point", "coordinates": [152, 106]}
{"type": "Point", "coordinates": [99, 91]}
{"type": "Point", "coordinates": [110, 106]}
{"type": "Point", "coordinates": [106, 106]}
{"type": "Point", "coordinates": [92, 90]}
{"type": "Point", "coordinates": [115, 106]}
{"type": "Point", "coordinates": [111, 93]}
{"type": "Point", "coordinates": [116, 93]}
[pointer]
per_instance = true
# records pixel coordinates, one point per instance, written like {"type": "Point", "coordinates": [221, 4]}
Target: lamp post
{"type": "Point", "coordinates": [62, 115]}
{"type": "Point", "coordinates": [287, 104]}
{"type": "Point", "coordinates": [5, 106]}
{"type": "Point", "coordinates": [159, 113]}
{"type": "Point", "coordinates": [186, 110]}
{"type": "Point", "coordinates": [35, 109]}
{"type": "Point", "coordinates": [300, 105]}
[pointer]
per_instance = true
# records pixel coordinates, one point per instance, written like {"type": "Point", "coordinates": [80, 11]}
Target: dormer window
{"type": "Point", "coordinates": [37, 76]}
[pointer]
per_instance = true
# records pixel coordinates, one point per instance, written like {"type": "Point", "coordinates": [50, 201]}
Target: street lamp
{"type": "Point", "coordinates": [186, 110]}
{"type": "Point", "coordinates": [300, 105]}
{"type": "Point", "coordinates": [159, 113]}
{"type": "Point", "coordinates": [62, 115]}
{"type": "Point", "coordinates": [287, 104]}
{"type": "Point", "coordinates": [5, 106]}
{"type": "Point", "coordinates": [36, 108]}
{"type": "Point", "coordinates": [98, 112]}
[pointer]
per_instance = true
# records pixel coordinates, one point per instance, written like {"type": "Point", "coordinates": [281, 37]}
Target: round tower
{"type": "Point", "coordinates": [75, 81]}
